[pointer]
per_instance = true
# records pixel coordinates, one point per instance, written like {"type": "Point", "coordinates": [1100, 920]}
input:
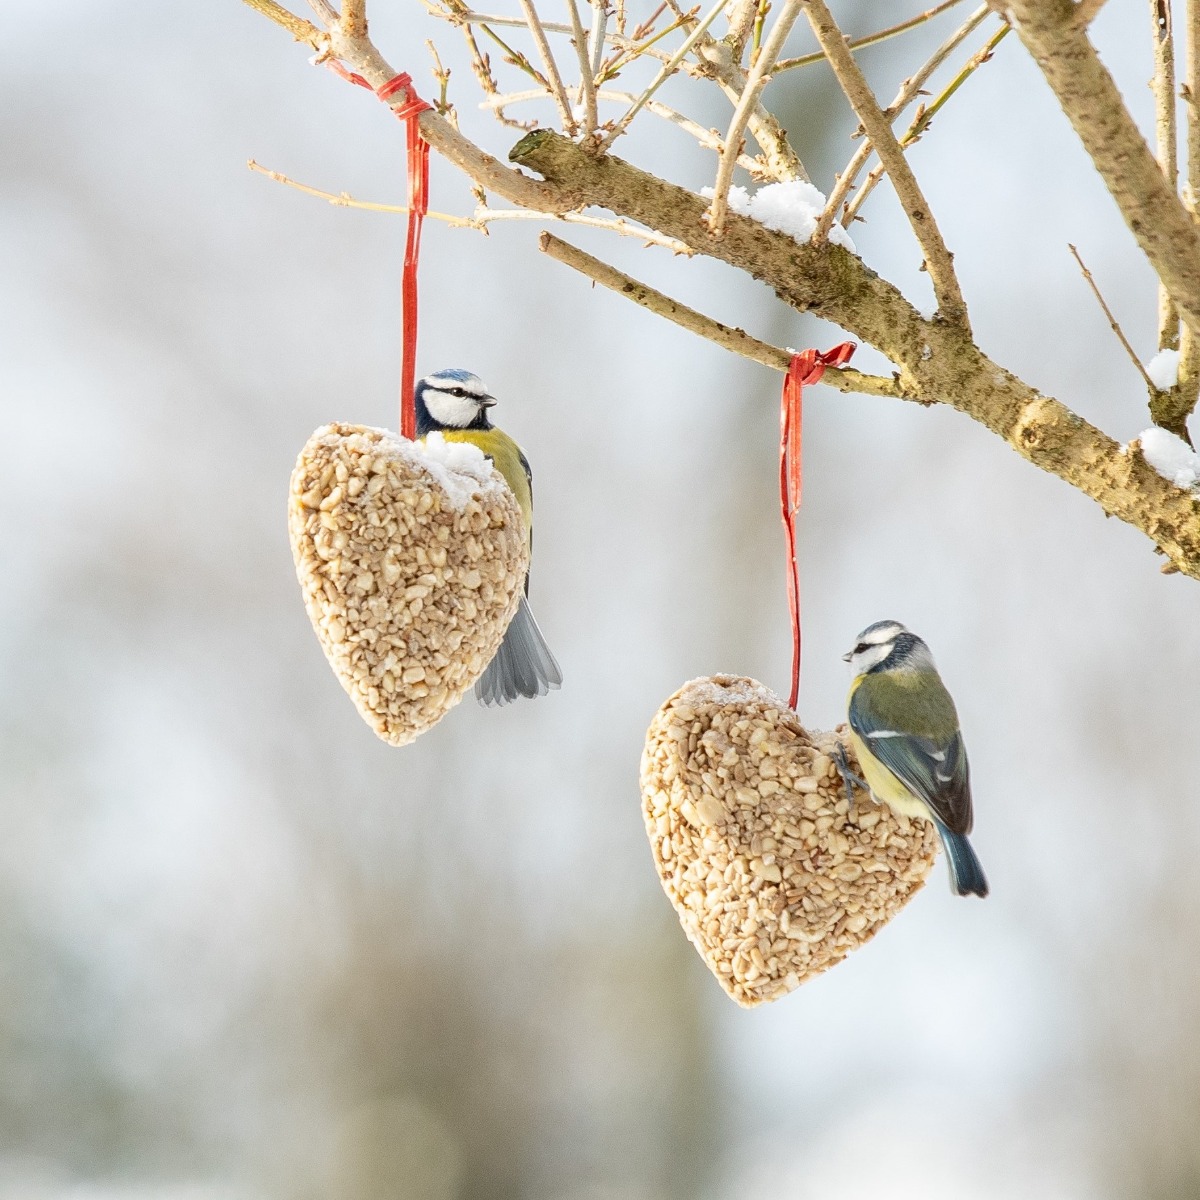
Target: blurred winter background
{"type": "Point", "coordinates": [248, 951]}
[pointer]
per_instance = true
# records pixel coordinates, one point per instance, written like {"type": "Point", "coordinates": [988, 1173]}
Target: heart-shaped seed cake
{"type": "Point", "coordinates": [773, 877]}
{"type": "Point", "coordinates": [411, 557]}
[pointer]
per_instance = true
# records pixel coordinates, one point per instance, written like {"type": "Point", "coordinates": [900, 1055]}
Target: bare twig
{"type": "Point", "coordinates": [483, 216]}
{"type": "Point", "coordinates": [298, 27]}
{"type": "Point", "coordinates": [555, 79]}
{"type": "Point", "coordinates": [645, 45]}
{"type": "Point", "coordinates": [925, 115]}
{"type": "Point", "coordinates": [442, 75]}
{"type": "Point", "coordinates": [871, 39]}
{"type": "Point", "coordinates": [938, 260]}
{"type": "Point", "coordinates": [924, 118]}
{"type": "Point", "coordinates": [667, 70]}
{"type": "Point", "coordinates": [755, 82]}
{"type": "Point", "coordinates": [587, 82]}
{"type": "Point", "coordinates": [908, 92]}
{"type": "Point", "coordinates": [345, 200]}
{"type": "Point", "coordinates": [596, 35]}
{"type": "Point", "coordinates": [1112, 321]}
{"type": "Point", "coordinates": [1092, 102]}
{"type": "Point", "coordinates": [726, 336]}
{"type": "Point", "coordinates": [465, 16]}
{"type": "Point", "coordinates": [614, 225]}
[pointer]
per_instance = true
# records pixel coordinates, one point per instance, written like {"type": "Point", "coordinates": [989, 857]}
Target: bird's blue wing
{"type": "Point", "coordinates": [934, 769]}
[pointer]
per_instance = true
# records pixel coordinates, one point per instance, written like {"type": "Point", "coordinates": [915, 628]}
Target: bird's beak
{"type": "Point", "coordinates": [487, 402]}
{"type": "Point", "coordinates": [848, 656]}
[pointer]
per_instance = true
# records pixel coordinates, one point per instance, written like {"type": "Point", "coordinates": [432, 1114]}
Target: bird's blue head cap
{"type": "Point", "coordinates": [887, 646]}
{"type": "Point", "coordinates": [452, 399]}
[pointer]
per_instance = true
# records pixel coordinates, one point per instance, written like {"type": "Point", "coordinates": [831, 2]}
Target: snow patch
{"type": "Point", "coordinates": [792, 208]}
{"type": "Point", "coordinates": [1163, 370]}
{"type": "Point", "coordinates": [1170, 456]}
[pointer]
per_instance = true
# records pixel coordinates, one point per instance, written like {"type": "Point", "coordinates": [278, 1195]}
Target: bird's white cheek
{"type": "Point", "coordinates": [456, 411]}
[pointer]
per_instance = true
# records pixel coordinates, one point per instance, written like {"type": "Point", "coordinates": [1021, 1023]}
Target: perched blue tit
{"type": "Point", "coordinates": [455, 404]}
{"type": "Point", "coordinates": [904, 729]}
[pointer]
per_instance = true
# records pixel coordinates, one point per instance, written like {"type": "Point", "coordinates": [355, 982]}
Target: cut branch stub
{"type": "Point", "coordinates": [412, 559]}
{"type": "Point", "coordinates": [773, 878]}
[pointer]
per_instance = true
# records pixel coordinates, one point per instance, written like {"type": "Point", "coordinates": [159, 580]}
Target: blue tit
{"type": "Point", "coordinates": [904, 729]}
{"type": "Point", "coordinates": [455, 404]}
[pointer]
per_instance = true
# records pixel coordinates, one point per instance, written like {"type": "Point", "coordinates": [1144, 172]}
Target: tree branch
{"type": "Point", "coordinates": [587, 79]}
{"type": "Point", "coordinates": [937, 361]}
{"type": "Point", "coordinates": [487, 171]}
{"type": "Point", "coordinates": [1085, 12]}
{"type": "Point", "coordinates": [1166, 143]}
{"type": "Point", "coordinates": [1088, 96]}
{"type": "Point", "coordinates": [557, 90]}
{"type": "Point", "coordinates": [871, 39]}
{"type": "Point", "coordinates": [737, 341]}
{"type": "Point", "coordinates": [940, 263]}
{"type": "Point", "coordinates": [1113, 323]}
{"type": "Point", "coordinates": [353, 21]}
{"type": "Point", "coordinates": [664, 73]}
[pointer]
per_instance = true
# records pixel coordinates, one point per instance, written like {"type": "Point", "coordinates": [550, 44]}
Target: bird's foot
{"type": "Point", "coordinates": [849, 779]}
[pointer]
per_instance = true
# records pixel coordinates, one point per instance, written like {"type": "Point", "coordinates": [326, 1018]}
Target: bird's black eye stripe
{"type": "Point", "coordinates": [862, 647]}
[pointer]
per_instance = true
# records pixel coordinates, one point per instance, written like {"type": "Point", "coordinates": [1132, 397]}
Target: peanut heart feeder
{"type": "Point", "coordinates": [774, 880]}
{"type": "Point", "coordinates": [411, 558]}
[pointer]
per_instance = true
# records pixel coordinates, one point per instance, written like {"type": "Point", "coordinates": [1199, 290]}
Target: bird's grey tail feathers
{"type": "Point", "coordinates": [523, 665]}
{"type": "Point", "coordinates": [966, 874]}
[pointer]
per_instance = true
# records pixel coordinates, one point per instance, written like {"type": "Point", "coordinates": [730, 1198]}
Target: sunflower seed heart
{"type": "Point", "coordinates": [411, 557]}
{"type": "Point", "coordinates": [773, 879]}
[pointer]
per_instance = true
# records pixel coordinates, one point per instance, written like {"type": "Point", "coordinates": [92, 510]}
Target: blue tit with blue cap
{"type": "Point", "coordinates": [904, 730]}
{"type": "Point", "coordinates": [455, 404]}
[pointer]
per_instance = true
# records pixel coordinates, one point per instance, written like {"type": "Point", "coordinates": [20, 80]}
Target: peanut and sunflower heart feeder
{"type": "Point", "coordinates": [773, 878]}
{"type": "Point", "coordinates": [411, 558]}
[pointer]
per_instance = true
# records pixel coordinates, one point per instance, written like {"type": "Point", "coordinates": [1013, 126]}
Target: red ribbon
{"type": "Point", "coordinates": [805, 368]}
{"type": "Point", "coordinates": [408, 110]}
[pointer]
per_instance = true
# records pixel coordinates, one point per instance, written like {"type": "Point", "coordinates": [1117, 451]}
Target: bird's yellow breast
{"type": "Point", "coordinates": [883, 784]}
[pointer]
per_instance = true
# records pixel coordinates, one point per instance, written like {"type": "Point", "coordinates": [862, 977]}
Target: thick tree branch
{"type": "Point", "coordinates": [938, 260]}
{"type": "Point", "coordinates": [937, 361]}
{"type": "Point", "coordinates": [1087, 94]}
